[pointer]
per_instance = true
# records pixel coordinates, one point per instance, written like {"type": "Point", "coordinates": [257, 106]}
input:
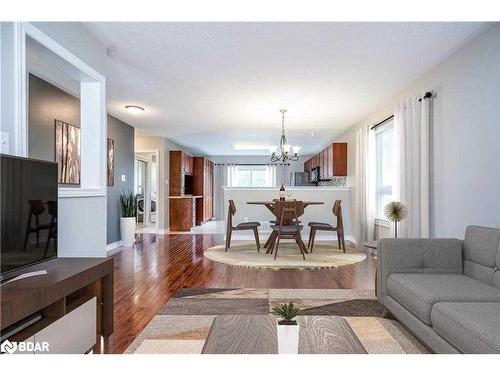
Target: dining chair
{"type": "Point", "coordinates": [272, 237]}
{"type": "Point", "coordinates": [339, 228]}
{"type": "Point", "coordinates": [37, 208]}
{"type": "Point", "coordinates": [52, 209]}
{"type": "Point", "coordinates": [289, 225]}
{"type": "Point", "coordinates": [251, 225]}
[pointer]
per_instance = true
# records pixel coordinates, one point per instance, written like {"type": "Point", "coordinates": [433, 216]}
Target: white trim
{"type": "Point", "coordinates": [94, 115]}
{"type": "Point", "coordinates": [113, 245]}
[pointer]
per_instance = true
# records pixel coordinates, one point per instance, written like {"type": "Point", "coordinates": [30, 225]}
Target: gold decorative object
{"type": "Point", "coordinates": [396, 212]}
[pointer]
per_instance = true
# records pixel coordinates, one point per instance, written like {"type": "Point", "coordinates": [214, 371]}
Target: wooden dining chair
{"type": "Point", "coordinates": [251, 225]}
{"type": "Point", "coordinates": [52, 209]}
{"type": "Point", "coordinates": [37, 208]}
{"type": "Point", "coordinates": [289, 226]}
{"type": "Point", "coordinates": [339, 228]}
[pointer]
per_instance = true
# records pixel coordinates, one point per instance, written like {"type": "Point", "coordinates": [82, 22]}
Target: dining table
{"type": "Point", "coordinates": [286, 220]}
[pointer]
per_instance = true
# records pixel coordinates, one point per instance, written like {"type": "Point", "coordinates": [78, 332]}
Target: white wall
{"type": "Point", "coordinates": [465, 158]}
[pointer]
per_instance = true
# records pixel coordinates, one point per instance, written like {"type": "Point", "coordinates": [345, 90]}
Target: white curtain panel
{"type": "Point", "coordinates": [411, 185]}
{"type": "Point", "coordinates": [364, 186]}
{"type": "Point", "coordinates": [224, 175]}
{"type": "Point", "coordinates": [271, 175]}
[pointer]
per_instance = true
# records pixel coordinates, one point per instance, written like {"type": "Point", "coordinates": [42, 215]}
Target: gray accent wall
{"type": "Point", "coordinates": [123, 136]}
{"type": "Point", "coordinates": [46, 104]}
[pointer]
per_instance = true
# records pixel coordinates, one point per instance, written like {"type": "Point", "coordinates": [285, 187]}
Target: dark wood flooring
{"type": "Point", "coordinates": [149, 274]}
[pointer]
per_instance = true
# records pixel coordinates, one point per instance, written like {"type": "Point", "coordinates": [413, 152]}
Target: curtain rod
{"type": "Point", "coordinates": [427, 95]}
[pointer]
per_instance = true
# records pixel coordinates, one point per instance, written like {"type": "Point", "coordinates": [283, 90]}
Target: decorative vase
{"type": "Point", "coordinates": [288, 339]}
{"type": "Point", "coordinates": [127, 231]}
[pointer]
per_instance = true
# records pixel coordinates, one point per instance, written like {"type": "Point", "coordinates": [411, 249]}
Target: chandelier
{"type": "Point", "coordinates": [282, 153]}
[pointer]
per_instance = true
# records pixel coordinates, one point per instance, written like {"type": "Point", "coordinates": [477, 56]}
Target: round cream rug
{"type": "Point", "coordinates": [244, 254]}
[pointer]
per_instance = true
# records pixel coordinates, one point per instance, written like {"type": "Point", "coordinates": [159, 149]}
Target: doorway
{"type": "Point", "coordinates": [146, 190]}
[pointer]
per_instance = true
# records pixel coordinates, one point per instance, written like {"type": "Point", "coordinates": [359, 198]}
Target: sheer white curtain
{"type": "Point", "coordinates": [364, 186]}
{"type": "Point", "coordinates": [224, 175]}
{"type": "Point", "coordinates": [411, 185]}
{"type": "Point", "coordinates": [271, 175]}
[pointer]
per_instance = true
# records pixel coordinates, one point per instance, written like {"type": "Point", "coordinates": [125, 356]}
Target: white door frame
{"type": "Point", "coordinates": [147, 205]}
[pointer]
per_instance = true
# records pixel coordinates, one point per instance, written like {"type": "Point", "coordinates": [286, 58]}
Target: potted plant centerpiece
{"type": "Point", "coordinates": [128, 204]}
{"type": "Point", "coordinates": [288, 329]}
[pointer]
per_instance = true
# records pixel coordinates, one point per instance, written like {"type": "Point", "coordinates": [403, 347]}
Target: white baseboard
{"type": "Point", "coordinates": [113, 245]}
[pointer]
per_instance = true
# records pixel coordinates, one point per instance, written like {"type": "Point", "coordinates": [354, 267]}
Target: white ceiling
{"type": "Point", "coordinates": [207, 86]}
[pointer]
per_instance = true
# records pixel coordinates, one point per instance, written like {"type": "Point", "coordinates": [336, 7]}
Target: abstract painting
{"type": "Point", "coordinates": [111, 162]}
{"type": "Point", "coordinates": [67, 153]}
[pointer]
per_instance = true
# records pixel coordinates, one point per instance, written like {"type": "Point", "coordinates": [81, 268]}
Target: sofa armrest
{"type": "Point", "coordinates": [417, 255]}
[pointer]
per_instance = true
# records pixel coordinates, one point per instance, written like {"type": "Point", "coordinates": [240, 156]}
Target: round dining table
{"type": "Point", "coordinates": [270, 206]}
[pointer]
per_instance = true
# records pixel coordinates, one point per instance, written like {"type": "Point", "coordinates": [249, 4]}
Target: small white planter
{"type": "Point", "coordinates": [127, 231]}
{"type": "Point", "coordinates": [288, 339]}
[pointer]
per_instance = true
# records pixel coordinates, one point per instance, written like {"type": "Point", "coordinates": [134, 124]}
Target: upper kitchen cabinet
{"type": "Point", "coordinates": [332, 161]}
{"type": "Point", "coordinates": [187, 164]}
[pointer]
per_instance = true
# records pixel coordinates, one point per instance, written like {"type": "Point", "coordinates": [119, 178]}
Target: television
{"type": "Point", "coordinates": [28, 210]}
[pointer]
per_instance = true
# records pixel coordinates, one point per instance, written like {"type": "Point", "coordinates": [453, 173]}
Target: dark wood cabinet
{"type": "Point", "coordinates": [187, 164]}
{"type": "Point", "coordinates": [175, 176]}
{"type": "Point", "coordinates": [203, 176]}
{"type": "Point", "coordinates": [332, 161]}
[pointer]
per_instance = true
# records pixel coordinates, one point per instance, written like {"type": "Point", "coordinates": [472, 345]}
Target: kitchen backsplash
{"type": "Point", "coordinates": [334, 182]}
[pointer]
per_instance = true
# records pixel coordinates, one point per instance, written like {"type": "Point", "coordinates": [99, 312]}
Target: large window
{"type": "Point", "coordinates": [384, 146]}
{"type": "Point", "coordinates": [254, 176]}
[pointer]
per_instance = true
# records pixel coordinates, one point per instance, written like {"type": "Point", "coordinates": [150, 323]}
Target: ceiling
{"type": "Point", "coordinates": [207, 86]}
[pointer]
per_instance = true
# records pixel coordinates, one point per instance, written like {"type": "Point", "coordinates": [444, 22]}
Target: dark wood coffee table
{"type": "Point", "coordinates": [257, 334]}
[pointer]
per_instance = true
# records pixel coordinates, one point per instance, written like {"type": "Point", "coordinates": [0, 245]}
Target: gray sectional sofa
{"type": "Point", "coordinates": [445, 291]}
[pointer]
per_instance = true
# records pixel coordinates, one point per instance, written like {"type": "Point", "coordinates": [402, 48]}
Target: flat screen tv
{"type": "Point", "coordinates": [28, 213]}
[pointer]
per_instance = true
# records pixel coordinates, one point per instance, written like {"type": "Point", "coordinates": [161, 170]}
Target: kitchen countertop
{"type": "Point", "coordinates": [291, 188]}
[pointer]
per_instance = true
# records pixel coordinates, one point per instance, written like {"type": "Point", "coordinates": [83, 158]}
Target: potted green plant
{"type": "Point", "coordinates": [128, 203]}
{"type": "Point", "coordinates": [288, 329]}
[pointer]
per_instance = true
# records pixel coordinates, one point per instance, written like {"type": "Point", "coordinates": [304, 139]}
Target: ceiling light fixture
{"type": "Point", "coordinates": [134, 109]}
{"type": "Point", "coordinates": [282, 153]}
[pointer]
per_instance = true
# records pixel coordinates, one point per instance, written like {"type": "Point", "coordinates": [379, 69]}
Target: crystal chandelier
{"type": "Point", "coordinates": [282, 153]}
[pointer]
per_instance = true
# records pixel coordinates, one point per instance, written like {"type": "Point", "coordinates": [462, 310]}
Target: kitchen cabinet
{"type": "Point", "coordinates": [203, 186]}
{"type": "Point", "coordinates": [332, 161]}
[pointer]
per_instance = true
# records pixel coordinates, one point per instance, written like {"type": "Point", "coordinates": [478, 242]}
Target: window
{"type": "Point", "coordinates": [384, 148]}
{"type": "Point", "coordinates": [254, 176]}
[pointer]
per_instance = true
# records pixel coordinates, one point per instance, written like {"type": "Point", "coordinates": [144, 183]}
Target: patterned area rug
{"type": "Point", "coordinates": [244, 254]}
{"type": "Point", "coordinates": [183, 324]}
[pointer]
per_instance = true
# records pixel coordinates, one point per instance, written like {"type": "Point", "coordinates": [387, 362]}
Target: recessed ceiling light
{"type": "Point", "coordinates": [248, 146]}
{"type": "Point", "coordinates": [134, 109]}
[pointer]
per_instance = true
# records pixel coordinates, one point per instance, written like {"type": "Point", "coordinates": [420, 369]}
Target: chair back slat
{"type": "Point", "coordinates": [288, 212]}
{"type": "Point", "coordinates": [337, 211]}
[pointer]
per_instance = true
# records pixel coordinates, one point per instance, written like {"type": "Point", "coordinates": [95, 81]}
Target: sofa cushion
{"type": "Point", "coordinates": [472, 327]}
{"type": "Point", "coordinates": [419, 292]}
{"type": "Point", "coordinates": [496, 275]}
{"type": "Point", "coordinates": [481, 246]}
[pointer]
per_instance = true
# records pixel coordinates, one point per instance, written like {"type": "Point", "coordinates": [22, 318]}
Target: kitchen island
{"type": "Point", "coordinates": [323, 213]}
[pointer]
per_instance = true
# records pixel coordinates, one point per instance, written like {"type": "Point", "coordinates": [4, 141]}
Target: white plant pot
{"type": "Point", "coordinates": [127, 231]}
{"type": "Point", "coordinates": [288, 339]}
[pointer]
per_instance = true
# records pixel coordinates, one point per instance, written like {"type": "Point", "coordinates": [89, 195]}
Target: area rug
{"type": "Point", "coordinates": [183, 324]}
{"type": "Point", "coordinates": [244, 254]}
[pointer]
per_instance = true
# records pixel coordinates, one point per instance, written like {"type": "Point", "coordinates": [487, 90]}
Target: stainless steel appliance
{"type": "Point", "coordinates": [300, 179]}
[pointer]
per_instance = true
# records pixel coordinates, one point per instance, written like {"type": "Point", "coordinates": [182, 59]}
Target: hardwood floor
{"type": "Point", "coordinates": [149, 274]}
